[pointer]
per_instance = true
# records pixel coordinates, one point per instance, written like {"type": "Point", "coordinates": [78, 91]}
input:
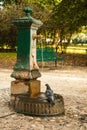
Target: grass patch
{"type": "Point", "coordinates": [7, 55]}
{"type": "Point", "coordinates": [7, 60]}
{"type": "Point", "coordinates": [76, 50]}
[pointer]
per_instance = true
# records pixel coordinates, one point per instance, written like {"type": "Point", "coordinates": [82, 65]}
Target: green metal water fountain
{"type": "Point", "coordinates": [26, 95]}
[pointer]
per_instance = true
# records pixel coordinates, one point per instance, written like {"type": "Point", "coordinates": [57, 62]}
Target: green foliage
{"type": "Point", "coordinates": [8, 32]}
{"type": "Point", "coordinates": [67, 18]}
{"type": "Point", "coordinates": [61, 18]}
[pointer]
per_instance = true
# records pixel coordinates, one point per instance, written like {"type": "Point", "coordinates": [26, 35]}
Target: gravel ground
{"type": "Point", "coordinates": [70, 82]}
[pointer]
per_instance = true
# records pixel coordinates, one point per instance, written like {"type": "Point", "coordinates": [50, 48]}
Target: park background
{"type": "Point", "coordinates": [64, 28]}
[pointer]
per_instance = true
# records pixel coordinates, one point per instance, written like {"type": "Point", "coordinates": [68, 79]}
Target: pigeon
{"type": "Point", "coordinates": [50, 95]}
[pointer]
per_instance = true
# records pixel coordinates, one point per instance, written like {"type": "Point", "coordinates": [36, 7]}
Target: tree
{"type": "Point", "coordinates": [8, 32]}
{"type": "Point", "coordinates": [68, 17]}
{"type": "Point", "coordinates": [60, 18]}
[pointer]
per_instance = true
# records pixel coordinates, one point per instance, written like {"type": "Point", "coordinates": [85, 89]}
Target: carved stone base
{"type": "Point", "coordinates": [26, 75]}
{"type": "Point", "coordinates": [31, 87]}
{"type": "Point", "coordinates": [19, 87]}
{"type": "Point", "coordinates": [38, 106]}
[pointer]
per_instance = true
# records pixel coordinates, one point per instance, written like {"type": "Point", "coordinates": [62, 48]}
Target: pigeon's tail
{"type": "Point", "coordinates": [51, 101]}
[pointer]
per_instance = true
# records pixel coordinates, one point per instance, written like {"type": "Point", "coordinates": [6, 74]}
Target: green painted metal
{"type": "Point", "coordinates": [86, 53]}
{"type": "Point", "coordinates": [24, 26]}
{"type": "Point", "coordinates": [27, 20]}
{"type": "Point", "coordinates": [27, 26]}
{"type": "Point", "coordinates": [48, 55]}
{"type": "Point", "coordinates": [23, 51]}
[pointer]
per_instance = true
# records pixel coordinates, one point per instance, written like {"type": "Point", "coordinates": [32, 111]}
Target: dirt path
{"type": "Point", "coordinates": [70, 82]}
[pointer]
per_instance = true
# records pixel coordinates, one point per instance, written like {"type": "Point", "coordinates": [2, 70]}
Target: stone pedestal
{"type": "Point", "coordinates": [34, 88]}
{"type": "Point", "coordinates": [19, 87]}
{"type": "Point", "coordinates": [30, 88]}
{"type": "Point", "coordinates": [27, 98]}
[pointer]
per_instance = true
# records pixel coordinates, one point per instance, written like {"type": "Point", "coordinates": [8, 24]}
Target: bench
{"type": "Point", "coordinates": [47, 55]}
{"type": "Point", "coordinates": [86, 53]}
